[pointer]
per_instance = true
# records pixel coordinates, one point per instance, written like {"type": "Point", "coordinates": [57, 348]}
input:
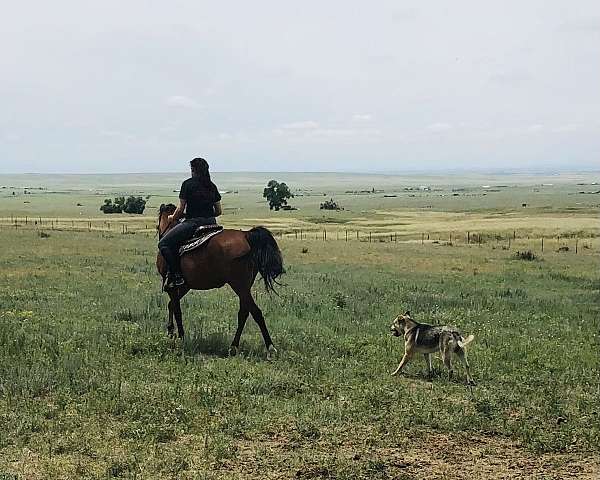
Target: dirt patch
{"type": "Point", "coordinates": [432, 455]}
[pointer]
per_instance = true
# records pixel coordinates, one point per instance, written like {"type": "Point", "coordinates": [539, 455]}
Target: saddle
{"type": "Point", "coordinates": [201, 237]}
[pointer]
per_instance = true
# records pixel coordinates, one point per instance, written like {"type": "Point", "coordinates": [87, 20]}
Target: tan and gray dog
{"type": "Point", "coordinates": [428, 339]}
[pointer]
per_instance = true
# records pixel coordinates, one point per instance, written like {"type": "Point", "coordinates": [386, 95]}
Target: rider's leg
{"type": "Point", "coordinates": [169, 249]}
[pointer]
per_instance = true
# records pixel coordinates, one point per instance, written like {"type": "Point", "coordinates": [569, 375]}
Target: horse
{"type": "Point", "coordinates": [232, 257]}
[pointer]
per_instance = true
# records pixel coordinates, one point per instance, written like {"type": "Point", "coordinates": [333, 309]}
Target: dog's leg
{"type": "Point", "coordinates": [403, 362]}
{"type": "Point", "coordinates": [463, 357]}
{"type": "Point", "coordinates": [429, 366]}
{"type": "Point", "coordinates": [446, 357]}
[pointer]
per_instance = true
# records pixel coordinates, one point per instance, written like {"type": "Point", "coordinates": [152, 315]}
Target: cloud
{"type": "Point", "coordinates": [10, 137]}
{"type": "Point", "coordinates": [345, 132]}
{"type": "Point", "coordinates": [362, 117]}
{"type": "Point", "coordinates": [571, 127]}
{"type": "Point", "coordinates": [535, 128]}
{"type": "Point", "coordinates": [180, 101]}
{"type": "Point", "coordinates": [585, 25]}
{"type": "Point", "coordinates": [305, 125]}
{"type": "Point", "coordinates": [116, 135]}
{"type": "Point", "coordinates": [439, 127]}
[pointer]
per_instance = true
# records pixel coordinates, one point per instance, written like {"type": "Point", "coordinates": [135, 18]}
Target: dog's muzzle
{"type": "Point", "coordinates": [395, 332]}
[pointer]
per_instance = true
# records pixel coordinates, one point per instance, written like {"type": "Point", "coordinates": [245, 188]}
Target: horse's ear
{"type": "Point", "coordinates": [407, 313]}
{"type": "Point", "coordinates": [162, 208]}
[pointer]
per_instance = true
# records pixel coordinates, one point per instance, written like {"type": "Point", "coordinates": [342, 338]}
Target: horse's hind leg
{"type": "Point", "coordinates": [258, 317]}
{"type": "Point", "coordinates": [242, 317]}
{"type": "Point", "coordinates": [247, 304]}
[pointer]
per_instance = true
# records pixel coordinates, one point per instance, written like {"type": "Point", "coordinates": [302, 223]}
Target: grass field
{"type": "Point", "coordinates": [91, 387]}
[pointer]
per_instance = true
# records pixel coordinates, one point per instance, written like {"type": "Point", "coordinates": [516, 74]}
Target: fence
{"type": "Point", "coordinates": [504, 239]}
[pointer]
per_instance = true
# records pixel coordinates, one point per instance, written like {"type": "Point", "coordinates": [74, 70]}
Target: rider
{"type": "Point", "coordinates": [199, 198]}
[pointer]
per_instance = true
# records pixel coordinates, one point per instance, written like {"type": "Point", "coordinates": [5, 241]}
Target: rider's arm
{"type": "Point", "coordinates": [218, 209]}
{"type": "Point", "coordinates": [178, 213]}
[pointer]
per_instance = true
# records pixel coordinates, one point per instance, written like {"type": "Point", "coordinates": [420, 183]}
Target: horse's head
{"type": "Point", "coordinates": [163, 224]}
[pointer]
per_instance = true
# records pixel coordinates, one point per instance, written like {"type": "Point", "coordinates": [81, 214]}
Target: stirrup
{"type": "Point", "coordinates": [174, 280]}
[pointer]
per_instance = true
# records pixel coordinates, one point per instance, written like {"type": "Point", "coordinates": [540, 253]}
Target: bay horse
{"type": "Point", "coordinates": [232, 257]}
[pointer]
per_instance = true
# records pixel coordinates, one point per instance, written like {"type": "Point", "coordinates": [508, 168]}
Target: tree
{"type": "Point", "coordinates": [277, 194]}
{"type": "Point", "coordinates": [134, 205]}
{"type": "Point", "coordinates": [110, 207]}
{"type": "Point", "coordinates": [120, 205]}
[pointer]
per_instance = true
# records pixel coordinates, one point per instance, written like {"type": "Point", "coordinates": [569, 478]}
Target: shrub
{"type": "Point", "coordinates": [330, 205]}
{"type": "Point", "coordinates": [120, 205]}
{"type": "Point", "coordinates": [528, 255]}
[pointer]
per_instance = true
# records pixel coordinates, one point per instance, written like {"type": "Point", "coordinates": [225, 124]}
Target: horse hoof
{"type": "Point", "coordinates": [233, 350]}
{"type": "Point", "coordinates": [271, 352]}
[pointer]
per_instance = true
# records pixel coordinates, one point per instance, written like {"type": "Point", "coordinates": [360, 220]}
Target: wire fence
{"type": "Point", "coordinates": [565, 241]}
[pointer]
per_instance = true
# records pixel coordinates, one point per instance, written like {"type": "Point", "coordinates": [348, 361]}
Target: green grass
{"type": "Point", "coordinates": [90, 386]}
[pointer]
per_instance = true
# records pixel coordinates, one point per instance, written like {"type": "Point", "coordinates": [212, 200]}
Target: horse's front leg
{"type": "Point", "coordinates": [170, 326]}
{"type": "Point", "coordinates": [176, 295]}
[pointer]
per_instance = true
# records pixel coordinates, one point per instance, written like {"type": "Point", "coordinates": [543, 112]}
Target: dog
{"type": "Point", "coordinates": [428, 339]}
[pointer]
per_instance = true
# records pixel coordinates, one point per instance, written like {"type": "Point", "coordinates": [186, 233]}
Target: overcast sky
{"type": "Point", "coordinates": [388, 86]}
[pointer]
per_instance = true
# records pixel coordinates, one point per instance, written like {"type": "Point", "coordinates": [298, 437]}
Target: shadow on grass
{"type": "Point", "coordinates": [217, 345]}
{"type": "Point", "coordinates": [214, 344]}
{"type": "Point", "coordinates": [437, 376]}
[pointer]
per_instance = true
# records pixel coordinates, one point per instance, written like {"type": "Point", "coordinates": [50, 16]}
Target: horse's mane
{"type": "Point", "coordinates": [168, 208]}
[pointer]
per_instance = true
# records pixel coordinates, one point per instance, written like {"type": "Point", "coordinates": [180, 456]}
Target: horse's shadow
{"type": "Point", "coordinates": [217, 344]}
{"type": "Point", "coordinates": [214, 344]}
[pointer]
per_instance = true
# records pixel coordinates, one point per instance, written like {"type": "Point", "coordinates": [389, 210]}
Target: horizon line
{"type": "Point", "coordinates": [347, 172]}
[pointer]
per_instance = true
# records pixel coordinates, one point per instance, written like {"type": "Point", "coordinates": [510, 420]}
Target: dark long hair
{"type": "Point", "coordinates": [199, 168]}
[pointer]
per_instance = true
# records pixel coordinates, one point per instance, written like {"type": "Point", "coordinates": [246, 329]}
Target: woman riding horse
{"type": "Point", "coordinates": [200, 202]}
{"type": "Point", "coordinates": [233, 257]}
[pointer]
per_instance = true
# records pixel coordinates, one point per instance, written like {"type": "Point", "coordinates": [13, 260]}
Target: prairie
{"type": "Point", "coordinates": [91, 386]}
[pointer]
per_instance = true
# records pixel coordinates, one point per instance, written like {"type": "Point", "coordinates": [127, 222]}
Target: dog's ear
{"type": "Point", "coordinates": [407, 313]}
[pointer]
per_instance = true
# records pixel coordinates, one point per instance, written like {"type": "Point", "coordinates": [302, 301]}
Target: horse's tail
{"type": "Point", "coordinates": [265, 255]}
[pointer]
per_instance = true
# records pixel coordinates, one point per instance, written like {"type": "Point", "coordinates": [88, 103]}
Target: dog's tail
{"type": "Point", "coordinates": [463, 342]}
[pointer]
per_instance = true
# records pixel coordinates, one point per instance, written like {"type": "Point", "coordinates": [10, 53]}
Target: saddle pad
{"type": "Point", "coordinates": [201, 236]}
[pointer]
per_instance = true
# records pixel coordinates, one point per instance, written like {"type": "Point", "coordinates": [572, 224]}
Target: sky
{"type": "Point", "coordinates": [380, 86]}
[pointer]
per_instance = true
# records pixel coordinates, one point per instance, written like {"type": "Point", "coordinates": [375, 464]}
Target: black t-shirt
{"type": "Point", "coordinates": [200, 195]}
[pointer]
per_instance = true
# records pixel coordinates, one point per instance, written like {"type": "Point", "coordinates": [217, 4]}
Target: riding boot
{"type": "Point", "coordinates": [174, 280]}
{"type": "Point", "coordinates": [174, 276]}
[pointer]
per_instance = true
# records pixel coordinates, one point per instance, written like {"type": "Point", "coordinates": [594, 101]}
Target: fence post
{"type": "Point", "coordinates": [422, 238]}
{"type": "Point", "coordinates": [576, 244]}
{"type": "Point", "coordinates": [514, 234]}
{"type": "Point", "coordinates": [542, 244]}
{"type": "Point", "coordinates": [468, 238]}
{"type": "Point", "coordinates": [369, 237]}
{"type": "Point", "coordinates": [346, 234]}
